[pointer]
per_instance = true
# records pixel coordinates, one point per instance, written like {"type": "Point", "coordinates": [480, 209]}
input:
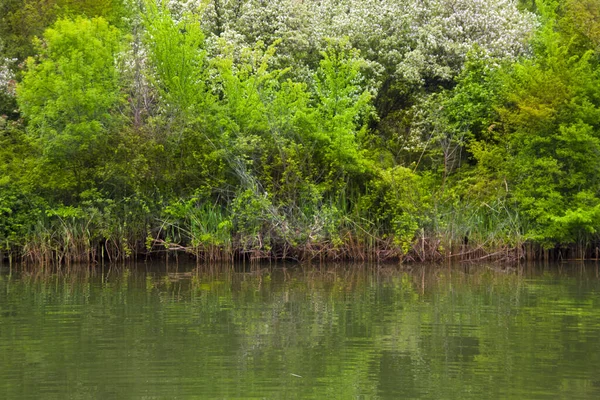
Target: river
{"type": "Point", "coordinates": [282, 332]}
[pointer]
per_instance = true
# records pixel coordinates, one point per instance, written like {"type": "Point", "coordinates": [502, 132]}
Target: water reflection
{"type": "Point", "coordinates": [338, 331]}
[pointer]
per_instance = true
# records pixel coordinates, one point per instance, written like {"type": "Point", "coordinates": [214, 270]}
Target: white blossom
{"type": "Point", "coordinates": [410, 40]}
{"type": "Point", "coordinates": [7, 82]}
{"type": "Point", "coordinates": [7, 76]}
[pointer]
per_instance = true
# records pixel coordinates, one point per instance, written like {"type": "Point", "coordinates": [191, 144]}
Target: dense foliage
{"type": "Point", "coordinates": [352, 128]}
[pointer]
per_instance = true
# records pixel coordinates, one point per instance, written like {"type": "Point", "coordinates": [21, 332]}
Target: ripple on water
{"type": "Point", "coordinates": [334, 335]}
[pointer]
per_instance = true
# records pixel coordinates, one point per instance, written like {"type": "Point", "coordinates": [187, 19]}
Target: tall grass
{"type": "Point", "coordinates": [83, 236]}
{"type": "Point", "coordinates": [336, 229]}
{"type": "Point", "coordinates": [474, 231]}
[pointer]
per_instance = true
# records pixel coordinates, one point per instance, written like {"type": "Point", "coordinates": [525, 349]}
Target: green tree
{"type": "Point", "coordinates": [23, 20]}
{"type": "Point", "coordinates": [342, 109]}
{"type": "Point", "coordinates": [71, 96]}
{"type": "Point", "coordinates": [187, 123]}
{"type": "Point", "coordinates": [551, 117]}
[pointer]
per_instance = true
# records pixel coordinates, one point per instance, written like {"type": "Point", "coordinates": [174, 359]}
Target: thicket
{"type": "Point", "coordinates": [285, 129]}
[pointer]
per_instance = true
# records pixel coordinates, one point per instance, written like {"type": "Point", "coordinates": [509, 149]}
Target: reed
{"type": "Point", "coordinates": [338, 230]}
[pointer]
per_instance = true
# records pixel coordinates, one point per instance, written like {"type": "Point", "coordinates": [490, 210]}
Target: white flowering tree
{"type": "Point", "coordinates": [6, 75]}
{"type": "Point", "coordinates": [411, 40]}
{"type": "Point", "coordinates": [411, 48]}
{"type": "Point", "coordinates": [7, 83]}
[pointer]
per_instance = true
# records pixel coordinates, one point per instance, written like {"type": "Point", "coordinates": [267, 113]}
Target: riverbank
{"type": "Point", "coordinates": [66, 247]}
{"type": "Point", "coordinates": [151, 130]}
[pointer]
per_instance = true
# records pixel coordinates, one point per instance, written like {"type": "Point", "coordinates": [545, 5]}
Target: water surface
{"type": "Point", "coordinates": [341, 331]}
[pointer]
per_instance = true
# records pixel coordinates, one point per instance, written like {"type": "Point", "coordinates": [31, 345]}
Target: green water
{"type": "Point", "coordinates": [338, 332]}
